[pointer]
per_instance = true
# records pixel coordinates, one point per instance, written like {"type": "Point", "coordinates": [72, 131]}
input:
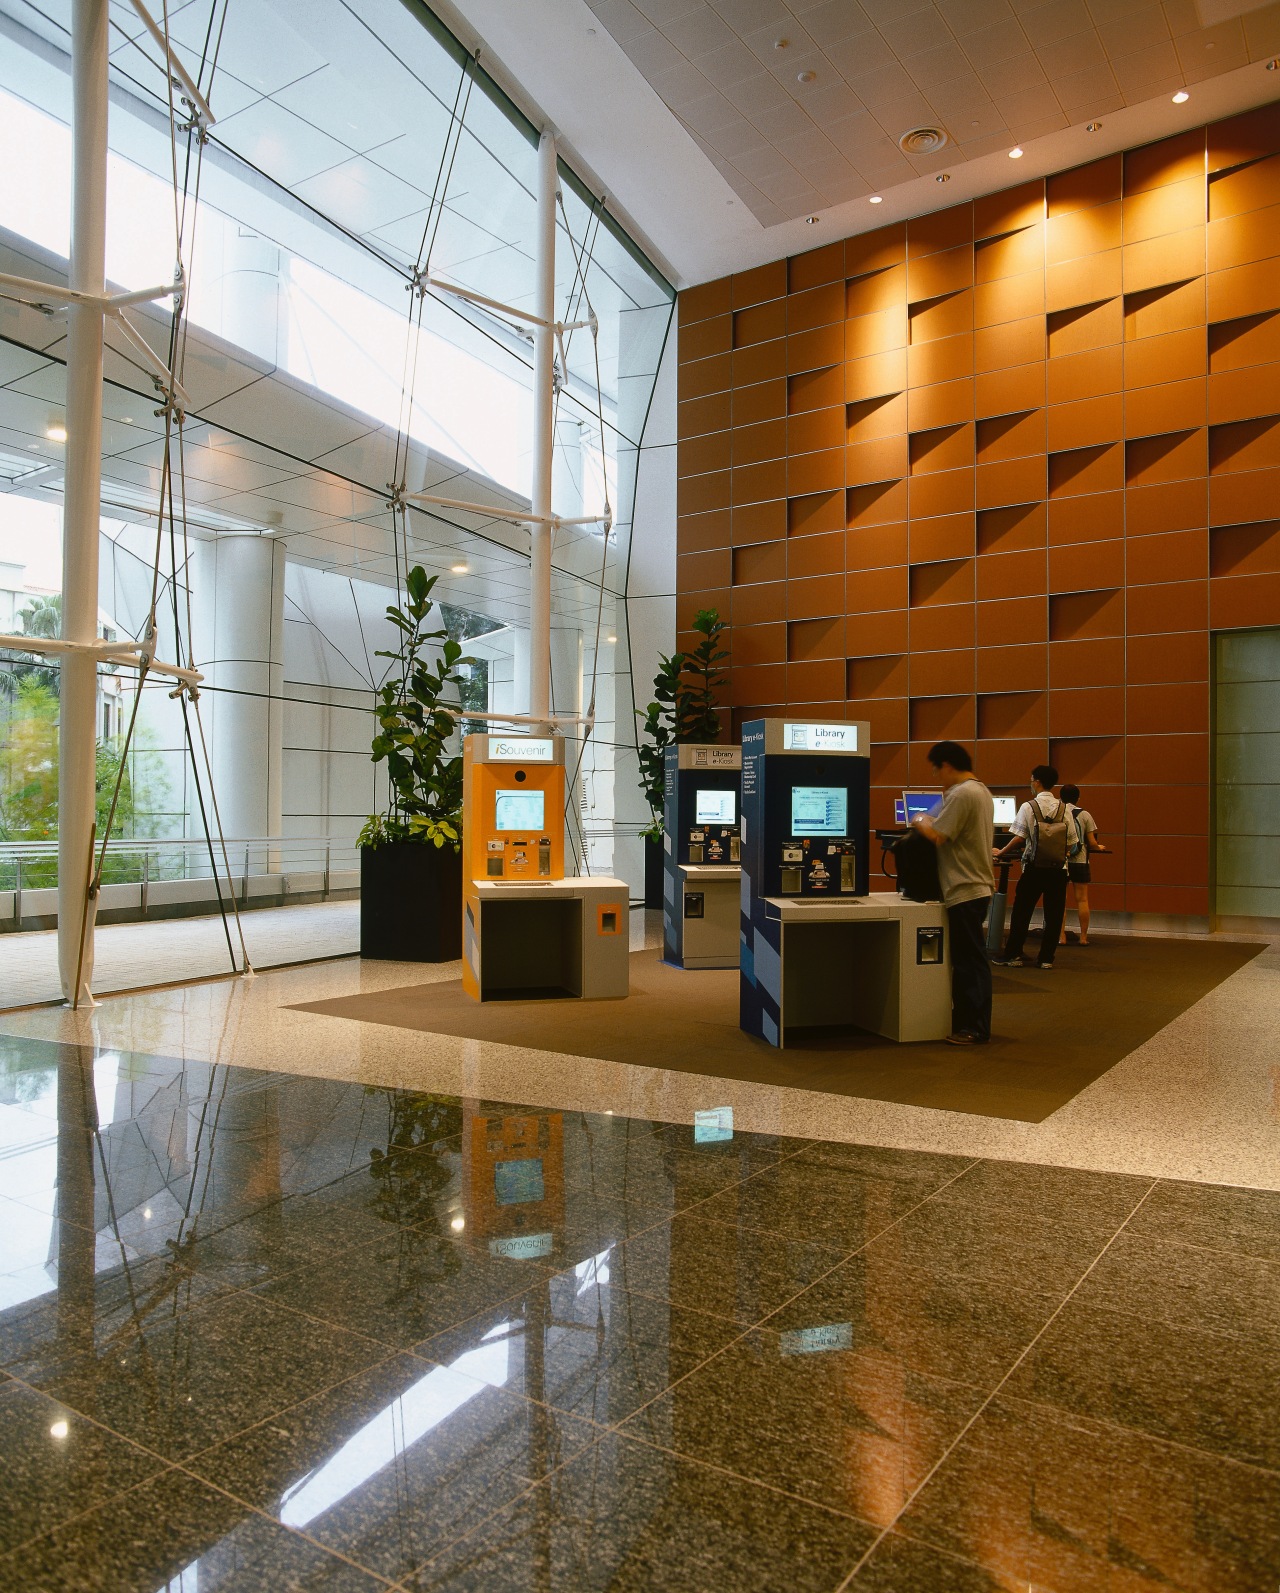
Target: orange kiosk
{"type": "Point", "coordinates": [528, 933]}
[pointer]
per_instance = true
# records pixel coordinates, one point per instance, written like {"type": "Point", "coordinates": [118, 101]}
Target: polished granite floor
{"type": "Point", "coordinates": [267, 1331]}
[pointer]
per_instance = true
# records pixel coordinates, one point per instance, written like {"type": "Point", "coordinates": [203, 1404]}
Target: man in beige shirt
{"type": "Point", "coordinates": [962, 832]}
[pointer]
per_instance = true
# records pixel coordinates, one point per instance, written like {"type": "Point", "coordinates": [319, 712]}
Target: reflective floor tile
{"type": "Point", "coordinates": [1210, 1391]}
{"type": "Point", "coordinates": [901, 1565]}
{"type": "Point", "coordinates": [1024, 1248]}
{"type": "Point", "coordinates": [399, 1461]}
{"type": "Point", "coordinates": [624, 1516]}
{"type": "Point", "coordinates": [1242, 1221]}
{"type": "Point", "coordinates": [405, 1287]}
{"type": "Point", "coordinates": [175, 1532]}
{"type": "Point", "coordinates": [1061, 1503]}
{"type": "Point", "coordinates": [179, 1381]}
{"type": "Point", "coordinates": [55, 1464]}
{"type": "Point", "coordinates": [940, 1324]}
{"type": "Point", "coordinates": [827, 1205]}
{"type": "Point", "coordinates": [1213, 1290]}
{"type": "Point", "coordinates": [742, 1275]}
{"type": "Point", "coordinates": [1058, 1192]}
{"type": "Point", "coordinates": [805, 1413]}
{"type": "Point", "coordinates": [925, 1171]}
{"type": "Point", "coordinates": [653, 1172]}
{"type": "Point", "coordinates": [585, 1345]}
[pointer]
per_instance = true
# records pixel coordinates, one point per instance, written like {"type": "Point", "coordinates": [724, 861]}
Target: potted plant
{"type": "Point", "coordinates": [411, 855]}
{"type": "Point", "coordinates": [684, 709]}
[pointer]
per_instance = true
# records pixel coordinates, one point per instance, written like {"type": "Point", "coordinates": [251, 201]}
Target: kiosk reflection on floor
{"type": "Point", "coordinates": [701, 856]}
{"type": "Point", "coordinates": [527, 931]}
{"type": "Point", "coordinates": [817, 949]}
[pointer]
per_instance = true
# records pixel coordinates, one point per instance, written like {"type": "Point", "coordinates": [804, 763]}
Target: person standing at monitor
{"type": "Point", "coordinates": [1045, 833]}
{"type": "Point", "coordinates": [1079, 873]}
{"type": "Point", "coordinates": [962, 830]}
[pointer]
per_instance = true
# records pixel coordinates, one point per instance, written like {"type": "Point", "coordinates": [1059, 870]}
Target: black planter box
{"type": "Point", "coordinates": [410, 903]}
{"type": "Point", "coordinates": [652, 872]}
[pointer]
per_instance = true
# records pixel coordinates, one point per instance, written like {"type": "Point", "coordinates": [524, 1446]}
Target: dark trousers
{"type": "Point", "coordinates": [970, 969]}
{"type": "Point", "coordinates": [1034, 883]}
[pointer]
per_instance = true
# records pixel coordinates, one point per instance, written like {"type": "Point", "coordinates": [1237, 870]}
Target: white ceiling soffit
{"type": "Point", "coordinates": [718, 141]}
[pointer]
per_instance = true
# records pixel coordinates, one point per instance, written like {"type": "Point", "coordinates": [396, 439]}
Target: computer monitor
{"type": "Point", "coordinates": [1006, 809]}
{"type": "Point", "coordinates": [819, 810]}
{"type": "Point", "coordinates": [715, 807]}
{"type": "Point", "coordinates": [519, 810]}
{"type": "Point", "coordinates": [899, 811]}
{"type": "Point", "coordinates": [921, 804]}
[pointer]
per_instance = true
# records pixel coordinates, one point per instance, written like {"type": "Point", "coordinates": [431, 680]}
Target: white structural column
{"type": "Point", "coordinates": [238, 588]}
{"type": "Point", "coordinates": [77, 714]}
{"type": "Point", "coordinates": [543, 432]}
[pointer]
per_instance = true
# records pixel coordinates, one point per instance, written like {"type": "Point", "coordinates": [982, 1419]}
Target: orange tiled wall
{"type": "Point", "coordinates": [996, 474]}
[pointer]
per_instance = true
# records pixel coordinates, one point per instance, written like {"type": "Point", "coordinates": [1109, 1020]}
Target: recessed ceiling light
{"type": "Point", "coordinates": [1092, 127]}
{"type": "Point", "coordinates": [811, 221]}
{"type": "Point", "coordinates": [1273, 65]}
{"type": "Point", "coordinates": [460, 569]}
{"type": "Point", "coordinates": [55, 431]}
{"type": "Point", "coordinates": [876, 199]}
{"type": "Point", "coordinates": [60, 1429]}
{"type": "Point", "coordinates": [1016, 152]}
{"type": "Point", "coordinates": [805, 77]}
{"type": "Point", "coordinates": [1181, 97]}
{"type": "Point", "coordinates": [781, 44]}
{"type": "Point", "coordinates": [943, 177]}
{"type": "Point", "coordinates": [611, 638]}
{"type": "Point", "coordinates": [458, 1224]}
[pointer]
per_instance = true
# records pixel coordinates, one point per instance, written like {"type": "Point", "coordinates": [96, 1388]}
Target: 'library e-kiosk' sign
{"type": "Point", "coordinates": [819, 738]}
{"type": "Point", "coordinates": [521, 749]}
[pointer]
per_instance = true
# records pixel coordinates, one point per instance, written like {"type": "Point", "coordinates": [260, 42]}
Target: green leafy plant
{"type": "Point", "coordinates": [415, 726]}
{"type": "Point", "coordinates": [684, 707]}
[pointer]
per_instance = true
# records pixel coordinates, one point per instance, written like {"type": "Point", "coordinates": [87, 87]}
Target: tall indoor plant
{"type": "Point", "coordinates": [683, 709]}
{"type": "Point", "coordinates": [411, 855]}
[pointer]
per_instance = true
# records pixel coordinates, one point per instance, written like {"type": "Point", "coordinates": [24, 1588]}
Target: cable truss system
{"type": "Point", "coordinates": [91, 309]}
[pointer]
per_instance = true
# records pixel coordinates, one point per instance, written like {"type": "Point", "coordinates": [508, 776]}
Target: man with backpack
{"type": "Point", "coordinates": [1046, 833]}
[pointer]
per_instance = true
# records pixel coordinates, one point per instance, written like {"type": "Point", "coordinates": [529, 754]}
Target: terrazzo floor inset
{"type": "Point", "coordinates": [280, 1332]}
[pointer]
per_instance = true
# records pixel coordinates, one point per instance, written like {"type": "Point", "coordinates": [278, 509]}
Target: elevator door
{"type": "Point", "coordinates": [1247, 774]}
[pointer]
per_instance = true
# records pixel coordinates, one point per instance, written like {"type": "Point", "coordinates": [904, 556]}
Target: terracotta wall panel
{"type": "Point", "coordinates": [998, 472]}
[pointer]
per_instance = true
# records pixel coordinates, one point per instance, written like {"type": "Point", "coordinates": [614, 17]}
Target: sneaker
{"type": "Point", "coordinates": [1044, 965]}
{"type": "Point", "coordinates": [1006, 962]}
{"type": "Point", "coordinates": [963, 1037]}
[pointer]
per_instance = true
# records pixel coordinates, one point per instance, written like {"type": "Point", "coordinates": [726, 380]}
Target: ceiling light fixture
{"type": "Point", "coordinates": [1273, 65]}
{"type": "Point", "coordinates": [943, 177]}
{"type": "Point", "coordinates": [806, 77]}
{"type": "Point", "coordinates": [611, 638]}
{"type": "Point", "coordinates": [1092, 127]}
{"type": "Point", "coordinates": [876, 199]}
{"type": "Point", "coordinates": [55, 431]}
{"type": "Point", "coordinates": [60, 1429]}
{"type": "Point", "coordinates": [1016, 152]}
{"type": "Point", "coordinates": [811, 221]}
{"type": "Point", "coordinates": [460, 569]}
{"type": "Point", "coordinates": [781, 44]}
{"type": "Point", "coordinates": [1181, 97]}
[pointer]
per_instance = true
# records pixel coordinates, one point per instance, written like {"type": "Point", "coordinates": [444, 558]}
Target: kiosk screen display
{"type": "Point", "coordinates": [715, 807]}
{"type": "Point", "coordinates": [517, 1183]}
{"type": "Point", "coordinates": [819, 810]}
{"type": "Point", "coordinates": [921, 804]}
{"type": "Point", "coordinates": [518, 810]}
{"type": "Point", "coordinates": [1006, 809]}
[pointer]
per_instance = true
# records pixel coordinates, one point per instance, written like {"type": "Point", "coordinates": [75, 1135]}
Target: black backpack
{"type": "Point", "coordinates": [915, 863]}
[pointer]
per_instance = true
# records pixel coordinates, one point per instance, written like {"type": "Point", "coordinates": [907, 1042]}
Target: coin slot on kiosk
{"type": "Point", "coordinates": [528, 933]}
{"type": "Point", "coordinates": [702, 855]}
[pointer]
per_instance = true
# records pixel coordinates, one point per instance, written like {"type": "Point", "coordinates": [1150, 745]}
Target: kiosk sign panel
{"type": "Point", "coordinates": [521, 749]}
{"type": "Point", "coordinates": [820, 738]}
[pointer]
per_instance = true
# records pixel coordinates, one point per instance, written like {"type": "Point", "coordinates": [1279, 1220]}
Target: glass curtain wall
{"type": "Point", "coordinates": [357, 151]}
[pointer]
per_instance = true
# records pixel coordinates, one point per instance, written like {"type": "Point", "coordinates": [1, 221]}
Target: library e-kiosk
{"type": "Point", "coordinates": [818, 951]}
{"type": "Point", "coordinates": [528, 933]}
{"type": "Point", "coordinates": [702, 856]}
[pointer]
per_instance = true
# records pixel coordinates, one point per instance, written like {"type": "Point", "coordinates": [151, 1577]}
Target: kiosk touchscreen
{"type": "Point", "coordinates": [1006, 810]}
{"type": "Point", "coordinates": [702, 853]}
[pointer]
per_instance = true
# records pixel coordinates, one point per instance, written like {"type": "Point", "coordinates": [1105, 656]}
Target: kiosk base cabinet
{"type": "Point", "coordinates": [877, 963]}
{"type": "Point", "coordinates": [567, 939]}
{"type": "Point", "coordinates": [709, 912]}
